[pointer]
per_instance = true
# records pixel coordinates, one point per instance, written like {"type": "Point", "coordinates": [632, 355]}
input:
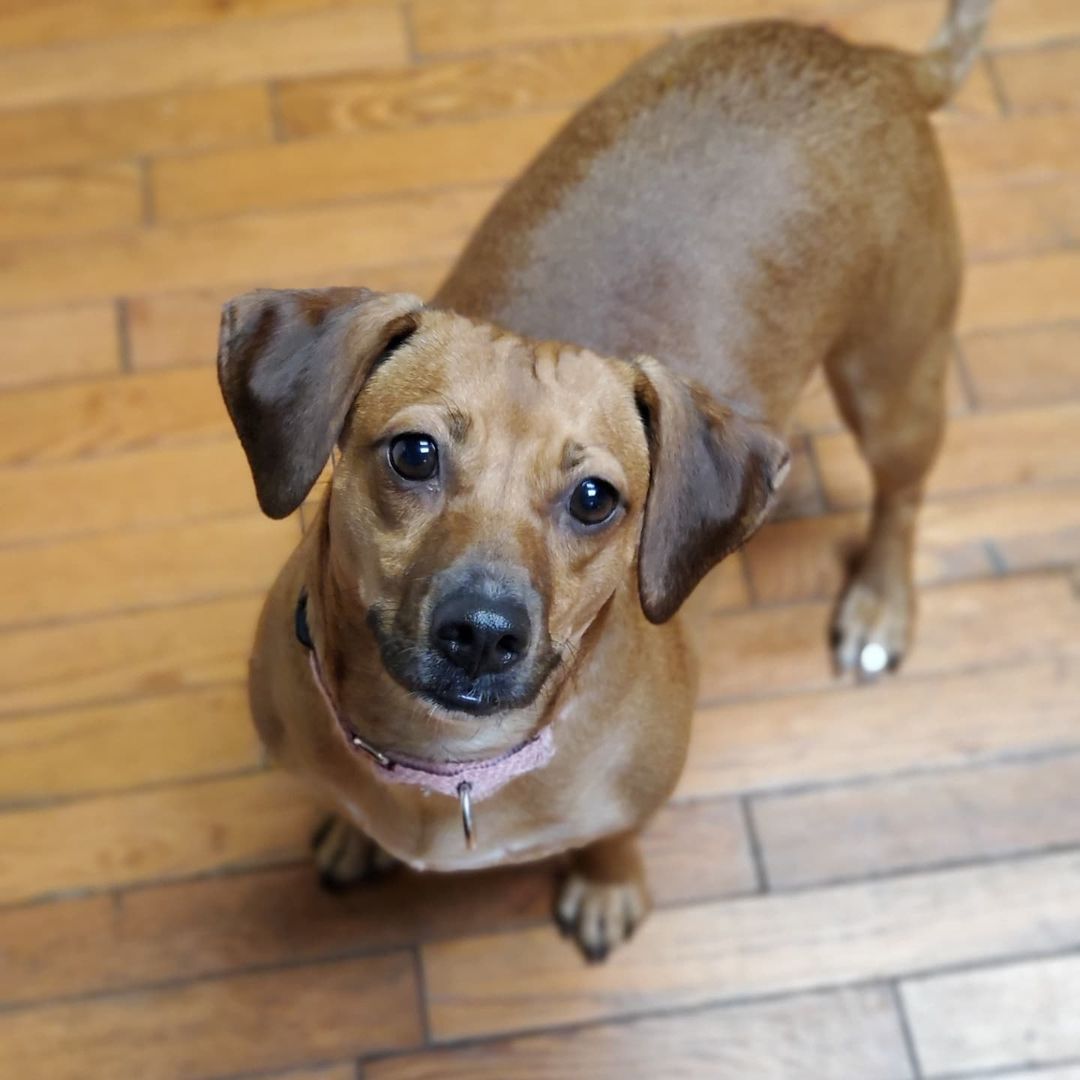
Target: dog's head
{"type": "Point", "coordinates": [492, 494]}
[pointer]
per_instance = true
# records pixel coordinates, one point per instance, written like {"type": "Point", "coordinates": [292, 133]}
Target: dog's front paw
{"type": "Point", "coordinates": [600, 915]}
{"type": "Point", "coordinates": [871, 628]}
{"type": "Point", "coordinates": [344, 856]}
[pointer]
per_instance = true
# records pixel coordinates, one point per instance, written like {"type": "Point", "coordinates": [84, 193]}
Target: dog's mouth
{"type": "Point", "coordinates": [471, 700]}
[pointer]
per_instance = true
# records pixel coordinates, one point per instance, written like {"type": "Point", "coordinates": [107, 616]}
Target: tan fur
{"type": "Point", "coordinates": [745, 205]}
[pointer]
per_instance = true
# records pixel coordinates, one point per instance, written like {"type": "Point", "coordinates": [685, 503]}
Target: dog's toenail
{"type": "Point", "coordinates": [874, 658]}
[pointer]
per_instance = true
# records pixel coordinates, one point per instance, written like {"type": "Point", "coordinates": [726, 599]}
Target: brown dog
{"type": "Point", "coordinates": [472, 654]}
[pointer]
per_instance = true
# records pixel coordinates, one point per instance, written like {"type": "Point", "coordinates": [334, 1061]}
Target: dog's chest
{"type": "Point", "coordinates": [578, 798]}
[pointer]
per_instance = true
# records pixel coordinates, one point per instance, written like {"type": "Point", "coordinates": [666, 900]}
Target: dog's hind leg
{"type": "Point", "coordinates": [345, 856]}
{"type": "Point", "coordinates": [895, 406]}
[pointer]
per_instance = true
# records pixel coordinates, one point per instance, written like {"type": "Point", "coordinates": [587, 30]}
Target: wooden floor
{"type": "Point", "coordinates": [852, 883]}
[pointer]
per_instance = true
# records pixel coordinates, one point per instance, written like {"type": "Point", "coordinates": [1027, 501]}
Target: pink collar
{"type": "Point", "coordinates": [466, 781]}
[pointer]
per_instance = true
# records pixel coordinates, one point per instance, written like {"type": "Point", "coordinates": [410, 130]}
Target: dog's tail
{"type": "Point", "coordinates": [942, 68]}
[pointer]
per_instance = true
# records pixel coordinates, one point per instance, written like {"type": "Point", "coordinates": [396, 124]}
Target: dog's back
{"type": "Point", "coordinates": [740, 203]}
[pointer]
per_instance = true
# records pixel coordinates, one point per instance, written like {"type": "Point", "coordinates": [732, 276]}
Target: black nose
{"type": "Point", "coordinates": [478, 634]}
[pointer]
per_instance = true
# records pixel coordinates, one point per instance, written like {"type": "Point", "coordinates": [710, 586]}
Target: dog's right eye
{"type": "Point", "coordinates": [414, 456]}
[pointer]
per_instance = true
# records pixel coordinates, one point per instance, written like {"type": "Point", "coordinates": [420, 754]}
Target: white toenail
{"type": "Point", "coordinates": [873, 658]}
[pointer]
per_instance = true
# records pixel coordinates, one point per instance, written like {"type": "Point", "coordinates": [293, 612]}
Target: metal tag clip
{"type": "Point", "coordinates": [464, 792]}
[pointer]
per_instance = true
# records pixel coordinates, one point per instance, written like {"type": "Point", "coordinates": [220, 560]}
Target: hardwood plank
{"type": "Point", "coordinates": [235, 51]}
{"type": "Point", "coordinates": [1012, 149]}
{"type": "Point", "coordinates": [461, 88]}
{"type": "Point", "coordinates": [1055, 547]}
{"type": "Point", "coordinates": [476, 24]}
{"type": "Point", "coordinates": [113, 840]}
{"type": "Point", "coordinates": [277, 176]}
{"type": "Point", "coordinates": [840, 1035]}
{"type": "Point", "coordinates": [915, 822]}
{"type": "Point", "coordinates": [807, 558]}
{"type": "Point", "coordinates": [1029, 366]}
{"type": "Point", "coordinates": [1029, 22]}
{"type": "Point", "coordinates": [267, 1020]}
{"type": "Point", "coordinates": [1040, 79]}
{"type": "Point", "coordinates": [949, 721]}
{"type": "Point", "coordinates": [79, 133]}
{"type": "Point", "coordinates": [673, 845]}
{"type": "Point", "coordinates": [778, 649]}
{"type": "Point", "coordinates": [90, 199]}
{"type": "Point", "coordinates": [1015, 292]}
{"type": "Point", "coordinates": [122, 745]}
{"type": "Point", "coordinates": [58, 343]}
{"type": "Point", "coordinates": [980, 451]}
{"type": "Point", "coordinates": [1014, 1015]}
{"type": "Point", "coordinates": [50, 22]}
{"type": "Point", "coordinates": [166, 565]}
{"type": "Point", "coordinates": [770, 944]}
{"type": "Point", "coordinates": [793, 561]}
{"type": "Point", "coordinates": [129, 412]}
{"type": "Point", "coordinates": [127, 655]}
{"type": "Point", "coordinates": [117, 491]}
{"type": "Point", "coordinates": [258, 247]}
{"type": "Point", "coordinates": [175, 329]}
{"type": "Point", "coordinates": [187, 930]}
{"type": "Point", "coordinates": [1020, 219]}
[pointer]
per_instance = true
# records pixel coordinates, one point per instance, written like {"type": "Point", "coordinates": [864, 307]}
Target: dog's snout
{"type": "Point", "coordinates": [480, 635]}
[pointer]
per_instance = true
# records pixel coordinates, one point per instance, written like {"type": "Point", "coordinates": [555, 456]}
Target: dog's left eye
{"type": "Point", "coordinates": [414, 456]}
{"type": "Point", "coordinates": [593, 501]}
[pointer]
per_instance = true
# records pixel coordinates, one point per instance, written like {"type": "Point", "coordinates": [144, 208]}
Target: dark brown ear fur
{"type": "Point", "coordinates": [714, 475]}
{"type": "Point", "coordinates": [290, 364]}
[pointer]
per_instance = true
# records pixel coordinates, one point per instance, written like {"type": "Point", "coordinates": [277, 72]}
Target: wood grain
{"type": "Point", "coordinates": [59, 343]}
{"type": "Point", "coordinates": [1040, 79]}
{"type": "Point", "coordinates": [497, 983]}
{"type": "Point", "coordinates": [268, 247]}
{"type": "Point", "coordinates": [1016, 292]}
{"type": "Point", "coordinates": [913, 822]}
{"type": "Point", "coordinates": [125, 745]}
{"type": "Point", "coordinates": [261, 1021]}
{"type": "Point", "coordinates": [856, 733]}
{"type": "Point", "coordinates": [982, 450]}
{"type": "Point", "coordinates": [233, 52]}
{"type": "Point", "coordinates": [460, 88]}
{"type": "Point", "coordinates": [1029, 366]}
{"type": "Point", "coordinates": [847, 1034]}
{"type": "Point", "coordinates": [58, 423]}
{"type": "Point", "coordinates": [283, 175]}
{"type": "Point", "coordinates": [260, 918]}
{"type": "Point", "coordinates": [51, 22]}
{"type": "Point", "coordinates": [91, 199]}
{"type": "Point", "coordinates": [772, 650]}
{"type": "Point", "coordinates": [127, 655]}
{"type": "Point", "coordinates": [473, 24]}
{"type": "Point", "coordinates": [1011, 149]}
{"type": "Point", "coordinates": [78, 133]}
{"type": "Point", "coordinates": [1039, 216]}
{"type": "Point", "coordinates": [116, 571]}
{"type": "Point", "coordinates": [1015, 1015]}
{"type": "Point", "coordinates": [195, 828]}
{"type": "Point", "coordinates": [119, 491]}
{"type": "Point", "coordinates": [793, 561]}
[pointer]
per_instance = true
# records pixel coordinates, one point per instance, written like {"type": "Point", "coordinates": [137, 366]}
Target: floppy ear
{"type": "Point", "coordinates": [290, 364]}
{"type": "Point", "coordinates": [714, 475]}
